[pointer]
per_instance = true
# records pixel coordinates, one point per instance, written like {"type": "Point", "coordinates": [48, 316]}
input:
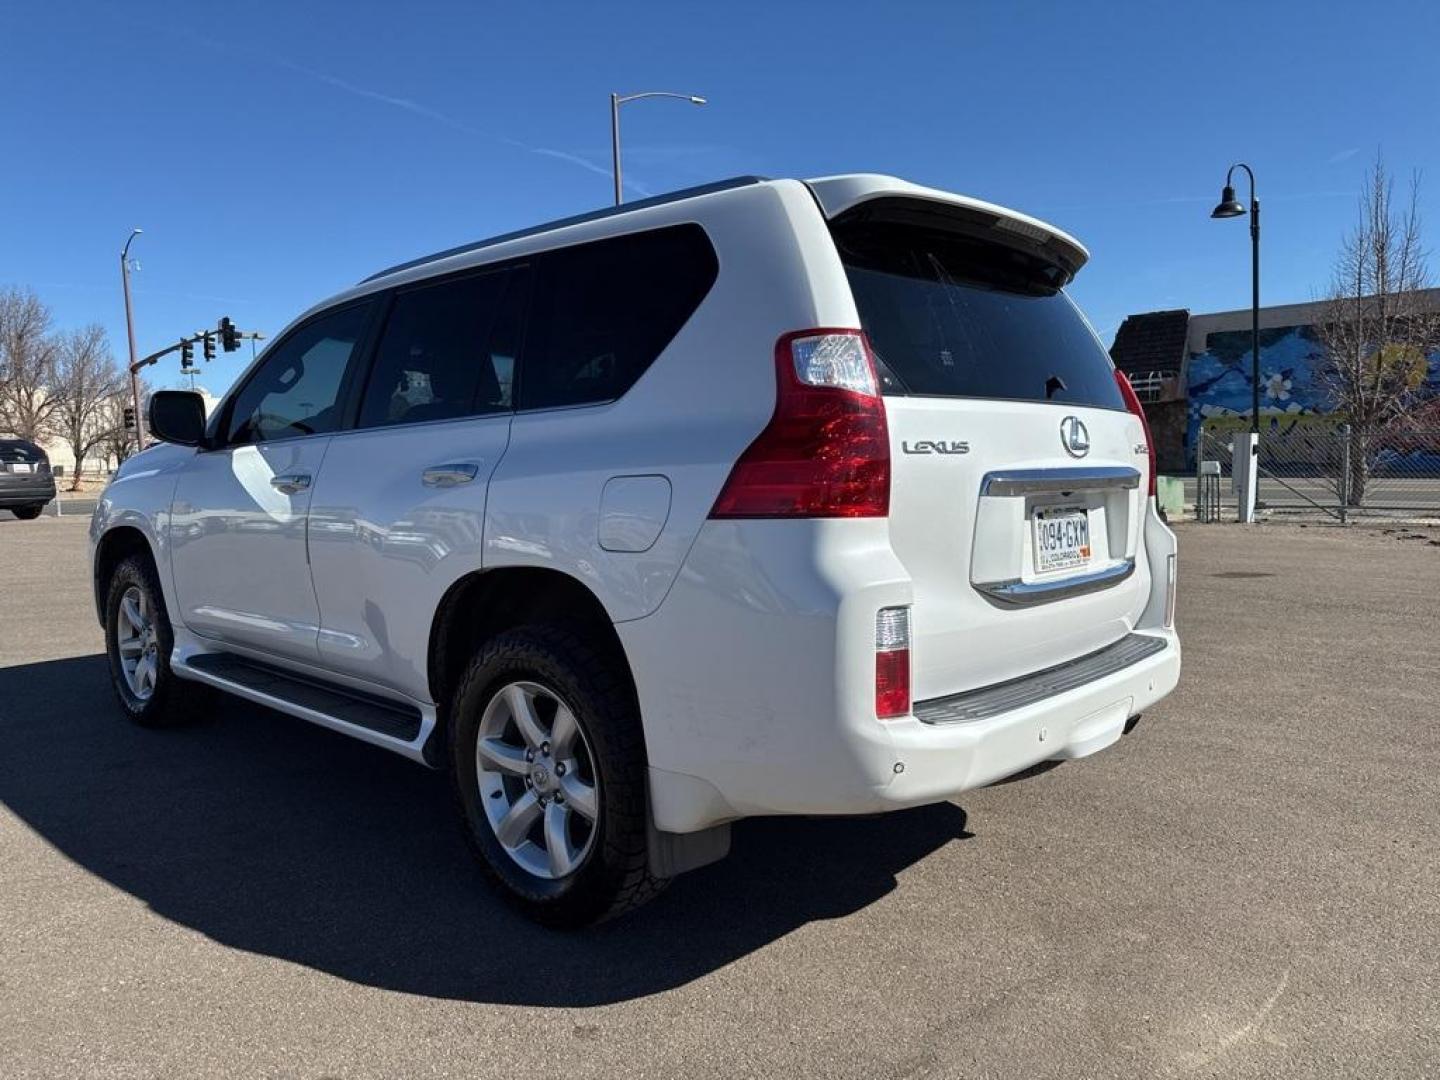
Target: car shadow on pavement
{"type": "Point", "coordinates": [270, 835]}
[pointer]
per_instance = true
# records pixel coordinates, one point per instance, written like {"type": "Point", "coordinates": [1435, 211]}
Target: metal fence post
{"type": "Point", "coordinates": [1344, 485]}
{"type": "Point", "coordinates": [1199, 478]}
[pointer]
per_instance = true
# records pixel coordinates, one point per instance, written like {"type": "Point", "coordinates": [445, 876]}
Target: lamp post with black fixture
{"type": "Point", "coordinates": [1230, 207]}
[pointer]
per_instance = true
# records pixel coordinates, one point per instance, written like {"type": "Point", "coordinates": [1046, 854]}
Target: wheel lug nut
{"type": "Point", "coordinates": [545, 749]}
{"type": "Point", "coordinates": [529, 755]}
{"type": "Point", "coordinates": [560, 769]}
{"type": "Point", "coordinates": [559, 797]}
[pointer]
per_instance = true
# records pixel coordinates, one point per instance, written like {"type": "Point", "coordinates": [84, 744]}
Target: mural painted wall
{"type": "Point", "coordinates": [1290, 396]}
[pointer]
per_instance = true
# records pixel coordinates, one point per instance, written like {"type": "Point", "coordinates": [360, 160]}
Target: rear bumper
{"type": "Point", "coordinates": [755, 678]}
{"type": "Point", "coordinates": [937, 761]}
{"type": "Point", "coordinates": [19, 490]}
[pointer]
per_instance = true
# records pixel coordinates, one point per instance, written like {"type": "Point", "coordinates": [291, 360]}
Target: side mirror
{"type": "Point", "coordinates": [177, 416]}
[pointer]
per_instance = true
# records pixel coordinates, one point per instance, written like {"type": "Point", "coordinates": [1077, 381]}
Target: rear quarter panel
{"type": "Point", "coordinates": [687, 418]}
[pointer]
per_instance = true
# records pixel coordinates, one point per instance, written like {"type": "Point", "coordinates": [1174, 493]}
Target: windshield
{"type": "Point", "coordinates": [955, 316]}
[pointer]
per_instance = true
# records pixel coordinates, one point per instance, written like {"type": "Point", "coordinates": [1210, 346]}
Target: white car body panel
{"type": "Point", "coordinates": [238, 551]}
{"type": "Point", "coordinates": [384, 547]}
{"type": "Point", "coordinates": [750, 642]}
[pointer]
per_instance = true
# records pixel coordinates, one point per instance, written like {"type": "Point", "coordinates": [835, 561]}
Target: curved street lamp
{"type": "Point", "coordinates": [1230, 207]}
{"type": "Point", "coordinates": [130, 333]}
{"type": "Point", "coordinates": [616, 100]}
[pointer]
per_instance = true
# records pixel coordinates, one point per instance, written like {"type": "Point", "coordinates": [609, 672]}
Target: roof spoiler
{"type": "Point", "coordinates": [900, 200]}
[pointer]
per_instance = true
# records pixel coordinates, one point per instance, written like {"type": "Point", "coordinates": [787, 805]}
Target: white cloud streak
{"type": "Point", "coordinates": [439, 117]}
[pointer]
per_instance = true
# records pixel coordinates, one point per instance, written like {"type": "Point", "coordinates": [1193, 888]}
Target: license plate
{"type": "Point", "coordinates": [21, 467]}
{"type": "Point", "coordinates": [1062, 538]}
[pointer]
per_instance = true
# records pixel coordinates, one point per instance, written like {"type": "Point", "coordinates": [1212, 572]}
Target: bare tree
{"type": "Point", "coordinates": [1377, 327]}
{"type": "Point", "coordinates": [85, 377]}
{"type": "Point", "coordinates": [27, 364]}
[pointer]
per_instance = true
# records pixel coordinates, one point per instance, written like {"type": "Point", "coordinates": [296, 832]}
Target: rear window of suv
{"type": "Point", "coordinates": [955, 315]}
{"type": "Point", "coordinates": [19, 452]}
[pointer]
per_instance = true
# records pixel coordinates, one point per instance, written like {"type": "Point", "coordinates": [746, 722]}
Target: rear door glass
{"type": "Point", "coordinates": [951, 315]}
{"type": "Point", "coordinates": [434, 361]}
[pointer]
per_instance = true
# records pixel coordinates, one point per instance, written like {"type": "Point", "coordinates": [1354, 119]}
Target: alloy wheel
{"type": "Point", "coordinates": [537, 780]}
{"type": "Point", "coordinates": [137, 642]}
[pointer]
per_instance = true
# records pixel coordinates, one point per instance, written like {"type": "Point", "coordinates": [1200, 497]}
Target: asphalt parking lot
{"type": "Point", "coordinates": [1247, 886]}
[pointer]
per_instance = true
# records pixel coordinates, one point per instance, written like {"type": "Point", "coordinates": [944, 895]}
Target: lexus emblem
{"type": "Point", "coordinates": [1074, 436]}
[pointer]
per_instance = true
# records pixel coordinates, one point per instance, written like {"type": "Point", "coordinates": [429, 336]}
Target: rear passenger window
{"type": "Point", "coordinates": [434, 361]}
{"type": "Point", "coordinates": [604, 311]}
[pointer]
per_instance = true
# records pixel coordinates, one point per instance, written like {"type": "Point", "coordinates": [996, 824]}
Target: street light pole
{"type": "Point", "coordinates": [1230, 207]}
{"type": "Point", "coordinates": [130, 333]}
{"type": "Point", "coordinates": [615, 143]}
{"type": "Point", "coordinates": [616, 100]}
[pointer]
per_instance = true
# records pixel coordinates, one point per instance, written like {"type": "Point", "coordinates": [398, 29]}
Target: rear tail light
{"type": "Point", "coordinates": [826, 451]}
{"type": "Point", "coordinates": [1132, 402]}
{"type": "Point", "coordinates": [892, 662]}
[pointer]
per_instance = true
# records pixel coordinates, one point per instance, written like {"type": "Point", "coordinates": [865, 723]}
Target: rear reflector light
{"type": "Point", "coordinates": [1169, 591]}
{"type": "Point", "coordinates": [892, 662]}
{"type": "Point", "coordinates": [1132, 402]}
{"type": "Point", "coordinates": [826, 450]}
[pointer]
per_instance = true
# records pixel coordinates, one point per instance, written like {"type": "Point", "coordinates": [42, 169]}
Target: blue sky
{"type": "Point", "coordinates": [276, 152]}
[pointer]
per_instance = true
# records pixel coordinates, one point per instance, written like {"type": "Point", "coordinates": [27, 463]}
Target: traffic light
{"type": "Point", "coordinates": [187, 353]}
{"type": "Point", "coordinates": [129, 418]}
{"type": "Point", "coordinates": [208, 344]}
{"type": "Point", "coordinates": [229, 335]}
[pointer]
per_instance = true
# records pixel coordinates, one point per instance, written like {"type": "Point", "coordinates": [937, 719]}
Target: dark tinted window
{"type": "Point", "coordinates": [296, 390]}
{"type": "Point", "coordinates": [604, 311]}
{"type": "Point", "coordinates": [434, 360]}
{"type": "Point", "coordinates": [20, 452]}
{"type": "Point", "coordinates": [956, 316]}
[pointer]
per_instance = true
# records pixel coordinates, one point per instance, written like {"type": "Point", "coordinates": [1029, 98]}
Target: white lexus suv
{"type": "Point", "coordinates": [768, 497]}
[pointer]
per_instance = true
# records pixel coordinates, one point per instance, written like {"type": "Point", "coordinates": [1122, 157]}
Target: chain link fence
{"type": "Point", "coordinates": [1338, 471]}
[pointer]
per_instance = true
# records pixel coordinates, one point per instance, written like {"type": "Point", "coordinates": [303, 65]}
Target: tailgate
{"type": "Point", "coordinates": [1018, 475]}
{"type": "Point", "coordinates": [1021, 556]}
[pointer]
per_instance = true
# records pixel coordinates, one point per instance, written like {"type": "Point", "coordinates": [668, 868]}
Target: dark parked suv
{"type": "Point", "coordinates": [25, 481]}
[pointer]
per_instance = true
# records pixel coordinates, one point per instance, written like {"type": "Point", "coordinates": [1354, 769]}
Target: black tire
{"type": "Point", "coordinates": [27, 513]}
{"type": "Point", "coordinates": [172, 701]}
{"type": "Point", "coordinates": [614, 875]}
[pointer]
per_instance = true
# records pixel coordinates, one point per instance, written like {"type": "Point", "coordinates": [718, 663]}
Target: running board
{"type": "Point", "coordinates": [393, 725]}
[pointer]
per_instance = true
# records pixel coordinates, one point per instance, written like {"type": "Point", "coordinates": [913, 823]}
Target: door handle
{"type": "Point", "coordinates": [451, 475]}
{"type": "Point", "coordinates": [290, 483]}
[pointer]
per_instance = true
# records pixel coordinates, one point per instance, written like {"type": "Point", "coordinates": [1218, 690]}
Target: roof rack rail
{"type": "Point", "coordinates": [578, 219]}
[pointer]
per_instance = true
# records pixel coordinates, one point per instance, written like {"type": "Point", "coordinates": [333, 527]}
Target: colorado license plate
{"type": "Point", "coordinates": [1062, 538]}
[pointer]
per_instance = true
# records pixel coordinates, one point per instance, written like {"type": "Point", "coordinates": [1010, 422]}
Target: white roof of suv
{"type": "Point", "coordinates": [835, 194]}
